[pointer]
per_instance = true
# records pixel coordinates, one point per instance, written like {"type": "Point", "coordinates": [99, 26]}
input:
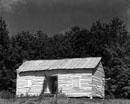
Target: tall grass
{"type": "Point", "coordinates": [61, 100]}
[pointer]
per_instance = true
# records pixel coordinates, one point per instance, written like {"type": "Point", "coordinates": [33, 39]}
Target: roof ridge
{"type": "Point", "coordinates": [63, 59]}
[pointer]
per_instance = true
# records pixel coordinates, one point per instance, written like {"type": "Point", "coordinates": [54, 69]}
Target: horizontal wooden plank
{"type": "Point", "coordinates": [86, 76]}
{"type": "Point", "coordinates": [86, 81]}
{"type": "Point", "coordinates": [78, 90]}
{"type": "Point", "coordinates": [96, 77]}
{"type": "Point", "coordinates": [64, 83]}
{"type": "Point", "coordinates": [85, 85]}
{"type": "Point", "coordinates": [72, 92]}
{"type": "Point", "coordinates": [97, 83]}
{"type": "Point", "coordinates": [65, 80]}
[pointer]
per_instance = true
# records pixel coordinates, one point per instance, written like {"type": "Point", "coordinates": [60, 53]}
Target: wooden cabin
{"type": "Point", "coordinates": [76, 77]}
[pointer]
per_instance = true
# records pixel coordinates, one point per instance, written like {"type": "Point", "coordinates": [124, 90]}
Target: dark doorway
{"type": "Point", "coordinates": [53, 84]}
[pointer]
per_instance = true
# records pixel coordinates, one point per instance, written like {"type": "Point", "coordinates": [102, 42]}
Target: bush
{"type": "Point", "coordinates": [6, 94]}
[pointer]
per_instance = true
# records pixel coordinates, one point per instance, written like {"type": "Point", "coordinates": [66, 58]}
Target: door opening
{"type": "Point", "coordinates": [53, 84]}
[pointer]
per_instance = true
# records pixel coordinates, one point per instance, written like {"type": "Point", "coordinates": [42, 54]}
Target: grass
{"type": "Point", "coordinates": [52, 100]}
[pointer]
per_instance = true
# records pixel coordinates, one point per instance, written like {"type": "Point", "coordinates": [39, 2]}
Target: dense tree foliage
{"type": "Point", "coordinates": [111, 41]}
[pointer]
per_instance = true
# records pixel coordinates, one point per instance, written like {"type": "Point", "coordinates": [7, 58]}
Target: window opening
{"type": "Point", "coordinates": [76, 82]}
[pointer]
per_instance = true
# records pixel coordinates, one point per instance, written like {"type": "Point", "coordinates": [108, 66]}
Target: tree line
{"type": "Point", "coordinates": [111, 41]}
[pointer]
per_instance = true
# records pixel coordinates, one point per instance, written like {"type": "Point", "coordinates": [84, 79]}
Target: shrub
{"type": "Point", "coordinates": [6, 94]}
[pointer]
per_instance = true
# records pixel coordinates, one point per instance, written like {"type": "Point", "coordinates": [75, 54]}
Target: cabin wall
{"type": "Point", "coordinates": [81, 87]}
{"type": "Point", "coordinates": [31, 85]}
{"type": "Point", "coordinates": [66, 82]}
{"type": "Point", "coordinates": [98, 81]}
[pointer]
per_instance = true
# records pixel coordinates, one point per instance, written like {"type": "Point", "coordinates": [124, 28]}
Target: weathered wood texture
{"type": "Point", "coordinates": [35, 87]}
{"type": "Point", "coordinates": [73, 83]}
{"type": "Point", "coordinates": [98, 81]}
{"type": "Point", "coordinates": [66, 84]}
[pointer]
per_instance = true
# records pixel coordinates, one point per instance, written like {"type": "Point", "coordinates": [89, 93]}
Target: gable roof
{"type": "Point", "coordinates": [74, 63]}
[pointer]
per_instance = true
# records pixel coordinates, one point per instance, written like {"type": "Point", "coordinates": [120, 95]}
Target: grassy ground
{"type": "Point", "coordinates": [50, 100]}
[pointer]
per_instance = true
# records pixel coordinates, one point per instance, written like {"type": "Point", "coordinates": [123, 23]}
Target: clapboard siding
{"type": "Point", "coordinates": [65, 83]}
{"type": "Point", "coordinates": [36, 85]}
{"type": "Point", "coordinates": [98, 82]}
{"type": "Point", "coordinates": [99, 72]}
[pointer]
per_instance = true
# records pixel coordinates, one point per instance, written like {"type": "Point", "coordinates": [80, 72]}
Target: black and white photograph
{"type": "Point", "coordinates": [64, 51]}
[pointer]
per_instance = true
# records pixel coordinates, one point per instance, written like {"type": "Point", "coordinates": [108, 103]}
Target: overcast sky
{"type": "Point", "coordinates": [53, 16]}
